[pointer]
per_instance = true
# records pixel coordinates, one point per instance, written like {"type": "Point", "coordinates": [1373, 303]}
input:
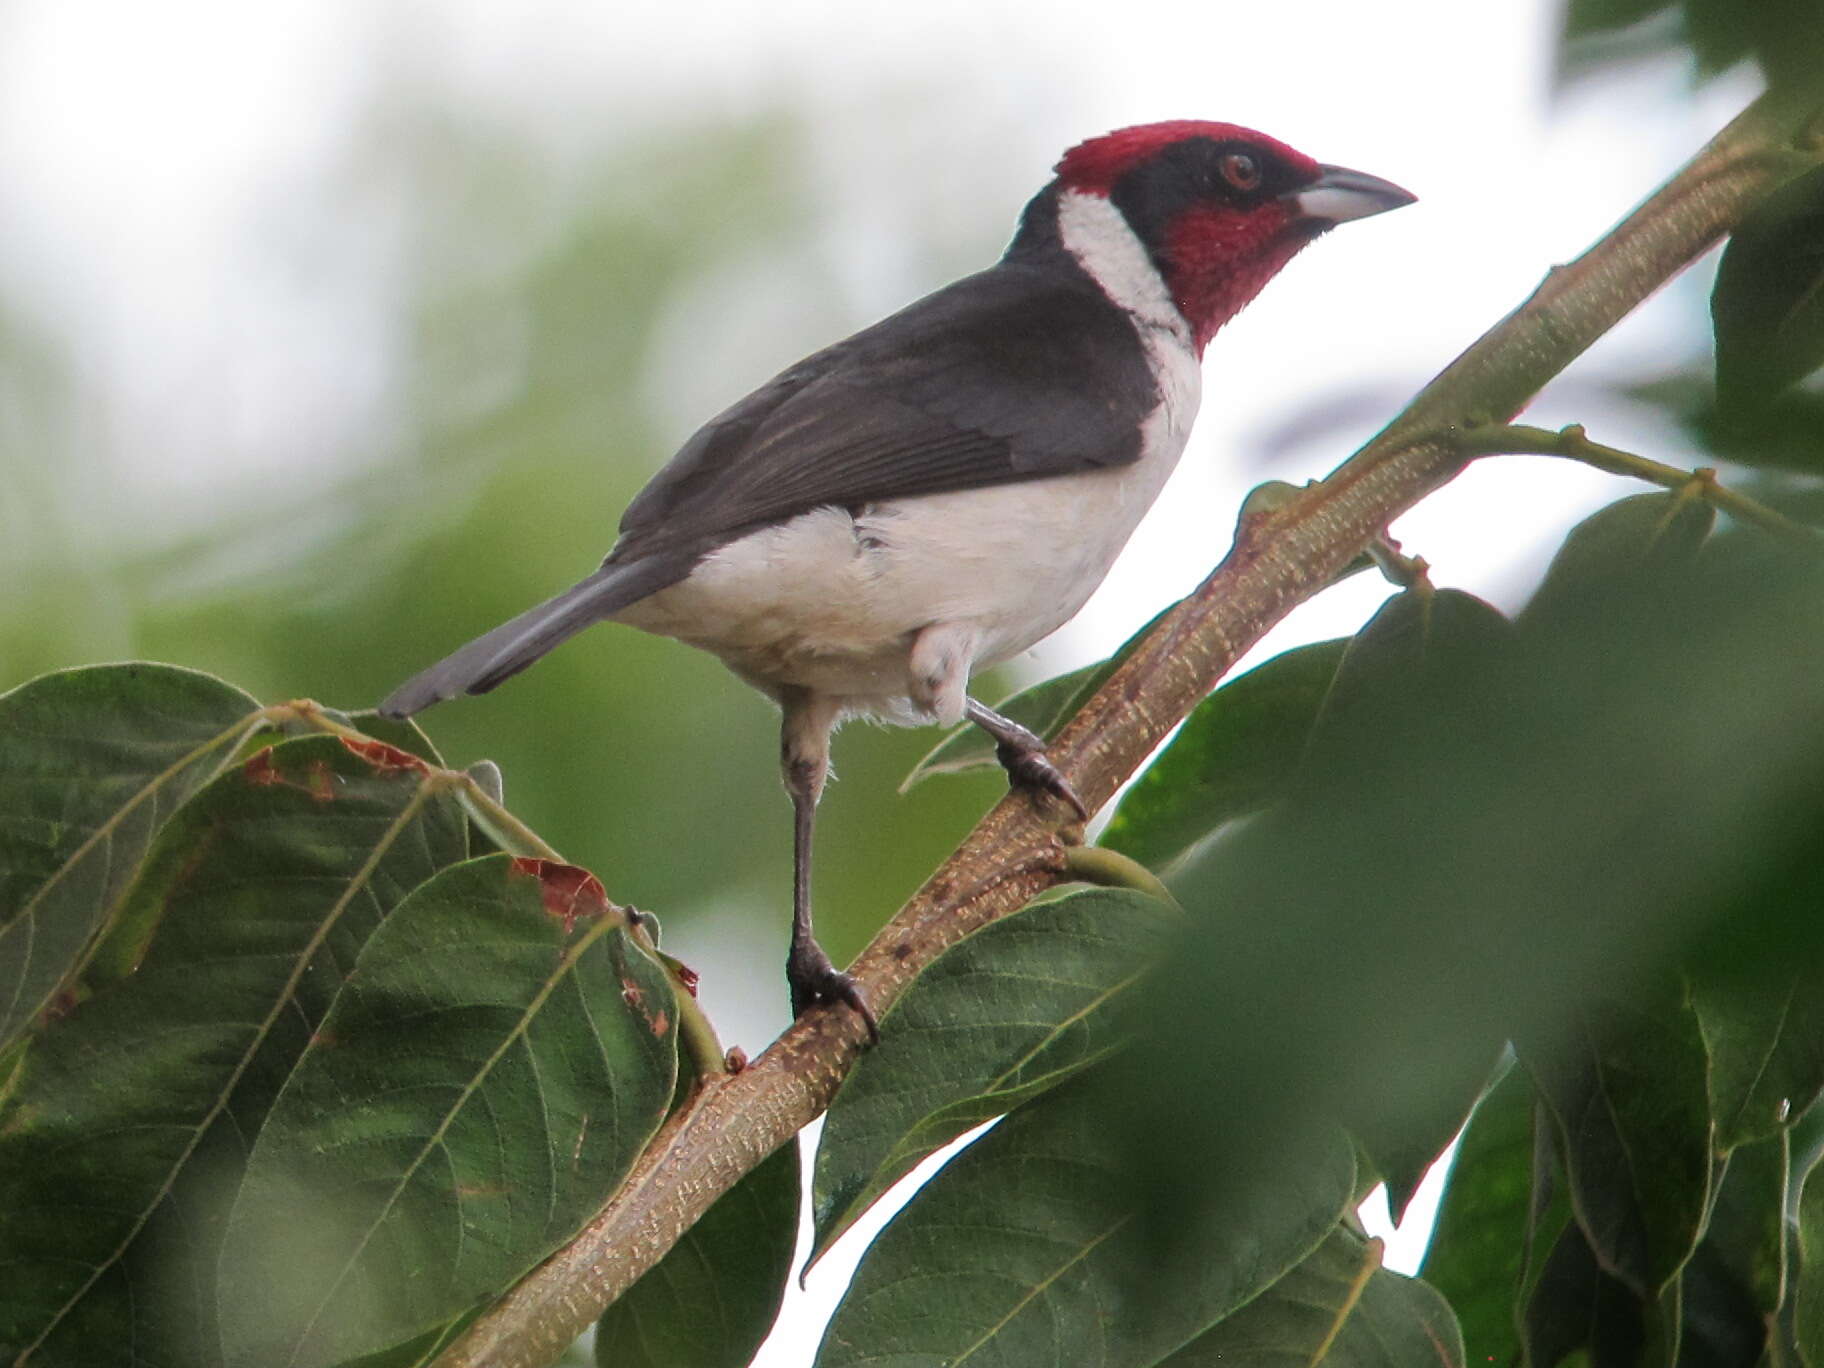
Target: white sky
{"type": "Point", "coordinates": [168, 212]}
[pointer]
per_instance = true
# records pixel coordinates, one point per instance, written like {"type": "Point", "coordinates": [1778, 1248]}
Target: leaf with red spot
{"type": "Point", "coordinates": [383, 755]}
{"type": "Point", "coordinates": [569, 892]}
{"type": "Point", "coordinates": [497, 1058]}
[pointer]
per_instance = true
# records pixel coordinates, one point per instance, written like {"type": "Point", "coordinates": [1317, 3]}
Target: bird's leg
{"type": "Point", "coordinates": [1022, 755]}
{"type": "Point", "coordinates": [804, 757]}
{"type": "Point", "coordinates": [940, 661]}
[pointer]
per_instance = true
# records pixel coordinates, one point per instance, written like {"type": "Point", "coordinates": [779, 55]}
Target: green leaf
{"type": "Point", "coordinates": [92, 762]}
{"type": "Point", "coordinates": [1598, 33]}
{"type": "Point", "coordinates": [124, 1133]}
{"type": "Point", "coordinates": [1417, 647]}
{"type": "Point", "coordinates": [1002, 1016]}
{"type": "Point", "coordinates": [422, 1351]}
{"type": "Point", "coordinates": [1041, 709]}
{"type": "Point", "coordinates": [1027, 1248]}
{"type": "Point", "coordinates": [1548, 1211]}
{"type": "Point", "coordinates": [1477, 1254]}
{"type": "Point", "coordinates": [1768, 304]}
{"type": "Point", "coordinates": [1781, 35]}
{"type": "Point", "coordinates": [1338, 1308]}
{"type": "Point", "coordinates": [1719, 1324]}
{"type": "Point", "coordinates": [1626, 1085]}
{"type": "Point", "coordinates": [1396, 679]}
{"type": "Point", "coordinates": [1765, 1037]}
{"type": "Point", "coordinates": [1523, 844]}
{"type": "Point", "coordinates": [1578, 1306]}
{"type": "Point", "coordinates": [1292, 970]}
{"type": "Point", "coordinates": [711, 1300]}
{"type": "Point", "coordinates": [1808, 1292]}
{"type": "Point", "coordinates": [1233, 755]}
{"type": "Point", "coordinates": [1583, 17]}
{"type": "Point", "coordinates": [497, 1058]}
{"type": "Point", "coordinates": [1787, 434]}
{"type": "Point", "coordinates": [1620, 552]}
{"type": "Point", "coordinates": [1433, 1095]}
{"type": "Point", "coordinates": [1742, 1279]}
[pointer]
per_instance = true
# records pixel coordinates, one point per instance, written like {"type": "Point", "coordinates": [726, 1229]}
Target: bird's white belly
{"type": "Point", "coordinates": [833, 602]}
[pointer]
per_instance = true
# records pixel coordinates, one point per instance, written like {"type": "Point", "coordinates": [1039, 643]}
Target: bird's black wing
{"type": "Point", "coordinates": [1019, 372]}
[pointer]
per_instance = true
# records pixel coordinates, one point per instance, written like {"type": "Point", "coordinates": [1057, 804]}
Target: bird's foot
{"type": "Point", "coordinates": [1022, 754]}
{"type": "Point", "coordinates": [815, 981]}
{"type": "Point", "coordinates": [1028, 767]}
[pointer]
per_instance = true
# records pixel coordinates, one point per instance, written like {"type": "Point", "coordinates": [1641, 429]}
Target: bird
{"type": "Point", "coordinates": [940, 491]}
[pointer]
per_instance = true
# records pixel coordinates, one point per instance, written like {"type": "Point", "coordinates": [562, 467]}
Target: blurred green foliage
{"type": "Point", "coordinates": [1785, 38]}
{"type": "Point", "coordinates": [533, 306]}
{"type": "Point", "coordinates": [1592, 832]}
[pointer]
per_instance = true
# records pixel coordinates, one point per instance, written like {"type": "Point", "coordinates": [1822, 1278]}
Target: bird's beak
{"type": "Point", "coordinates": [1339, 194]}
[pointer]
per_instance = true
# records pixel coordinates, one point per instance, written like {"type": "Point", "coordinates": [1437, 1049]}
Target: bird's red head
{"type": "Point", "coordinates": [1219, 208]}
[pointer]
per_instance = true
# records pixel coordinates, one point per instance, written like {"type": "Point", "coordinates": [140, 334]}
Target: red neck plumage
{"type": "Point", "coordinates": [1216, 260]}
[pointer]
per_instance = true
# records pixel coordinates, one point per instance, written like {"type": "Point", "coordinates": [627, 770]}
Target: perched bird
{"type": "Point", "coordinates": [945, 488]}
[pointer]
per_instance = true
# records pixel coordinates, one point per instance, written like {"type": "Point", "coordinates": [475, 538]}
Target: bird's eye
{"type": "Point", "coordinates": [1241, 170]}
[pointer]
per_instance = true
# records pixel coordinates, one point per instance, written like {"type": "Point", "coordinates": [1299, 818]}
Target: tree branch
{"type": "Point", "coordinates": [1279, 558]}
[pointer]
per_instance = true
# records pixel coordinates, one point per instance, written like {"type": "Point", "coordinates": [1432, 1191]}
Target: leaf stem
{"type": "Point", "coordinates": [502, 827]}
{"type": "Point", "coordinates": [1107, 868]}
{"type": "Point", "coordinates": [694, 1026]}
{"type": "Point", "coordinates": [1573, 443]}
{"type": "Point", "coordinates": [311, 713]}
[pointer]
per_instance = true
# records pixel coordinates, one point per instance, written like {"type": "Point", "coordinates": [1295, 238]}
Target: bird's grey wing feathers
{"type": "Point", "coordinates": [1015, 373]}
{"type": "Point", "coordinates": [513, 645]}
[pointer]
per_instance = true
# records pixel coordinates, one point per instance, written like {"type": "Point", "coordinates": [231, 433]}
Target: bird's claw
{"type": "Point", "coordinates": [1032, 769]}
{"type": "Point", "coordinates": [815, 982]}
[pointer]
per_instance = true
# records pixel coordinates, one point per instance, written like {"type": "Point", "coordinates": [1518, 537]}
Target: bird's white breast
{"type": "Point", "coordinates": [833, 601]}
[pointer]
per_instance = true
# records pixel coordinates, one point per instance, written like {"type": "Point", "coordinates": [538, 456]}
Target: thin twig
{"type": "Point", "coordinates": [1573, 443]}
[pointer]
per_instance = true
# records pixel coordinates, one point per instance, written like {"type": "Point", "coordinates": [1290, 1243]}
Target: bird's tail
{"type": "Point", "coordinates": [515, 644]}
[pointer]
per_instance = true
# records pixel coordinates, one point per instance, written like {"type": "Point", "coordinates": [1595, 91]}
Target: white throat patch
{"type": "Point", "coordinates": [1098, 236]}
